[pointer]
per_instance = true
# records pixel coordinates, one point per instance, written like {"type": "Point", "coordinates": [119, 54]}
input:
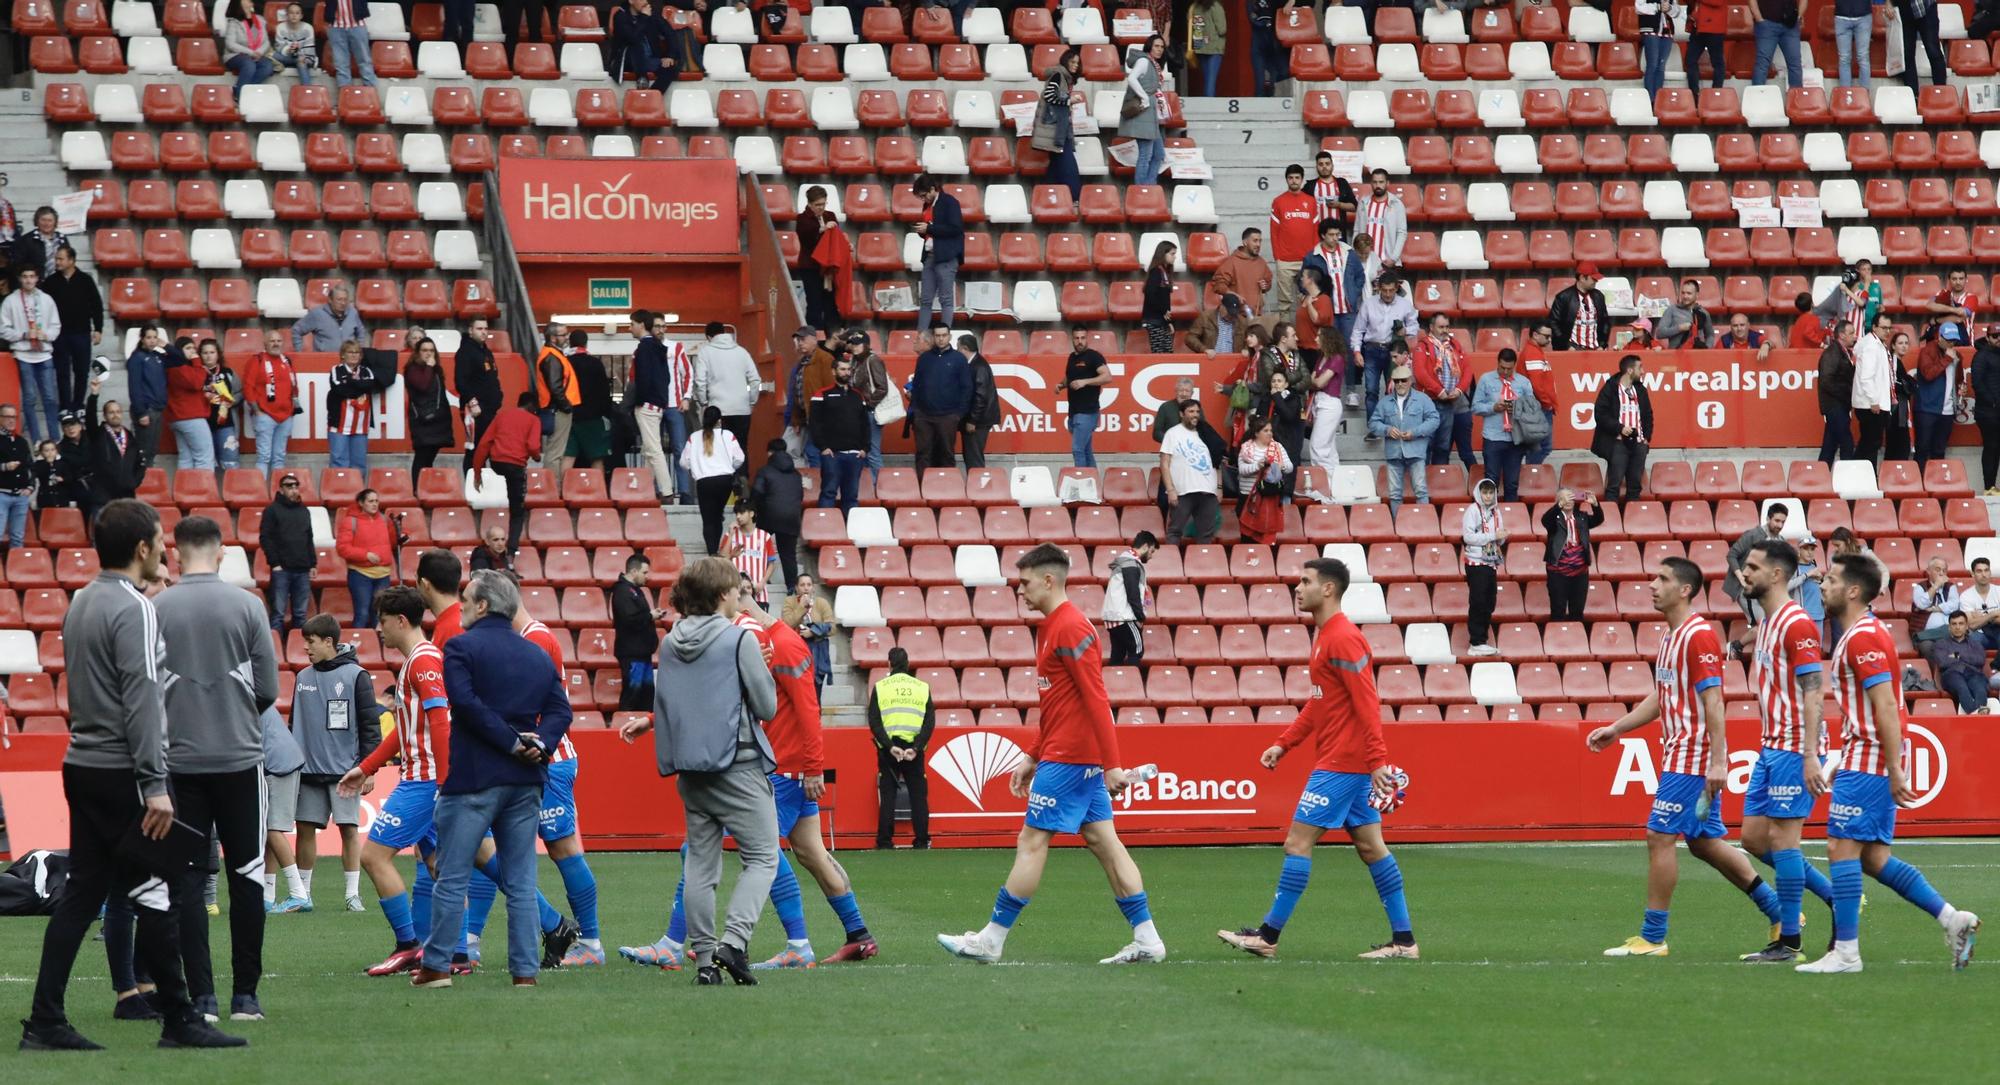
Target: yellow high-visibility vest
{"type": "Point", "coordinates": [902, 700]}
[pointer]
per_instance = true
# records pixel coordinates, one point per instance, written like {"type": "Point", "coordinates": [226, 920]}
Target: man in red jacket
{"type": "Point", "coordinates": [1707, 26]}
{"type": "Point", "coordinates": [271, 387]}
{"type": "Point", "coordinates": [1443, 375]}
{"type": "Point", "coordinates": [514, 437]}
{"type": "Point", "coordinates": [1294, 232]}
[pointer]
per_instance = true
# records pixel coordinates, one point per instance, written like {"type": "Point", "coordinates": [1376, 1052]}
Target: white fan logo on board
{"type": "Point", "coordinates": [970, 760]}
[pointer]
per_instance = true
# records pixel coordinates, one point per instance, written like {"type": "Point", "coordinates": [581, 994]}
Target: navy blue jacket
{"type": "Point", "coordinates": [943, 383]}
{"type": "Point", "coordinates": [652, 374]}
{"type": "Point", "coordinates": [947, 232]}
{"type": "Point", "coordinates": [146, 381]}
{"type": "Point", "coordinates": [501, 686]}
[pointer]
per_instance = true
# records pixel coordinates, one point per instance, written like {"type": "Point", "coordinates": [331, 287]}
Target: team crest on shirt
{"type": "Point", "coordinates": [340, 689]}
{"type": "Point", "coordinates": [1042, 683]}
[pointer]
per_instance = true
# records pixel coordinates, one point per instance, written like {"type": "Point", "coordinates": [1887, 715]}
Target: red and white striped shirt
{"type": "Point", "coordinates": [343, 15]}
{"type": "Point", "coordinates": [1378, 221]}
{"type": "Point", "coordinates": [680, 374]}
{"type": "Point", "coordinates": [1628, 408]}
{"type": "Point", "coordinates": [1336, 274]}
{"type": "Point", "coordinates": [753, 552]}
{"type": "Point", "coordinates": [546, 641]}
{"type": "Point", "coordinates": [423, 720]}
{"type": "Point", "coordinates": [1327, 194]}
{"type": "Point", "coordinates": [1787, 649]}
{"type": "Point", "coordinates": [1583, 334]}
{"type": "Point", "coordinates": [1865, 658]}
{"type": "Point", "coordinates": [357, 415]}
{"type": "Point", "coordinates": [1690, 661]}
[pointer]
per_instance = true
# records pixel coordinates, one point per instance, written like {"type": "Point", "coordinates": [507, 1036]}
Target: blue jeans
{"type": "Point", "coordinates": [291, 597]}
{"type": "Point", "coordinates": [1376, 367]}
{"type": "Point", "coordinates": [1837, 440]}
{"type": "Point", "coordinates": [1965, 687]}
{"type": "Point", "coordinates": [350, 43]}
{"type": "Point", "coordinates": [1774, 37]}
{"type": "Point", "coordinates": [228, 448]}
{"type": "Point", "coordinates": [676, 424]}
{"type": "Point", "coordinates": [839, 479]}
{"type": "Point", "coordinates": [1454, 428]}
{"type": "Point", "coordinates": [1655, 49]}
{"type": "Point", "coordinates": [195, 443]}
{"type": "Point", "coordinates": [303, 71]}
{"type": "Point", "coordinates": [1082, 426]}
{"type": "Point", "coordinates": [1923, 26]}
{"type": "Point", "coordinates": [1063, 171]}
{"type": "Point", "coordinates": [811, 452]}
{"type": "Point", "coordinates": [362, 590]}
{"type": "Point", "coordinates": [1696, 46]}
{"type": "Point", "coordinates": [347, 450]}
{"type": "Point", "coordinates": [1419, 483]}
{"type": "Point", "coordinates": [937, 289]}
{"type": "Point", "coordinates": [1541, 451]}
{"type": "Point", "coordinates": [511, 811]}
{"type": "Point", "coordinates": [874, 448]}
{"type": "Point", "coordinates": [1269, 60]}
{"type": "Point", "coordinates": [1211, 68]}
{"type": "Point", "coordinates": [272, 438]}
{"type": "Point", "coordinates": [1503, 466]}
{"type": "Point", "coordinates": [14, 517]}
{"type": "Point", "coordinates": [39, 402]}
{"type": "Point", "coordinates": [1152, 159]}
{"type": "Point", "coordinates": [1850, 38]}
{"type": "Point", "coordinates": [250, 71]}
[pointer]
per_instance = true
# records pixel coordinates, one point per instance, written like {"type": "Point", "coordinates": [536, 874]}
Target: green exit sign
{"type": "Point", "coordinates": [610, 293]}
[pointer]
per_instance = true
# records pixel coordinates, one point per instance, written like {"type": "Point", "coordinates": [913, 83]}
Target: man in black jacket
{"type": "Point", "coordinates": [778, 496]}
{"type": "Point", "coordinates": [477, 377]}
{"type": "Point", "coordinates": [635, 634]}
{"type": "Point", "coordinates": [1985, 383]}
{"type": "Point", "coordinates": [81, 309]}
{"type": "Point", "coordinates": [590, 424]}
{"type": "Point", "coordinates": [840, 421]}
{"type": "Point", "coordinates": [116, 468]}
{"type": "Point", "coordinates": [285, 538]}
{"type": "Point", "coordinates": [1579, 316]}
{"type": "Point", "coordinates": [17, 479]}
{"type": "Point", "coordinates": [72, 466]}
{"type": "Point", "coordinates": [1836, 394]}
{"type": "Point", "coordinates": [985, 411]}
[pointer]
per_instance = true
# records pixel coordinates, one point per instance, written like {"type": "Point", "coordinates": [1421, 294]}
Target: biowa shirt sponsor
{"type": "Point", "coordinates": [620, 206]}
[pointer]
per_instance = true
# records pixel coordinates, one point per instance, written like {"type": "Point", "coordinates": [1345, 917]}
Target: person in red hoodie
{"type": "Point", "coordinates": [514, 436]}
{"type": "Point", "coordinates": [1707, 26]}
{"type": "Point", "coordinates": [366, 541]}
{"type": "Point", "coordinates": [271, 387]}
{"type": "Point", "coordinates": [1443, 375]}
{"type": "Point", "coordinates": [1541, 374]}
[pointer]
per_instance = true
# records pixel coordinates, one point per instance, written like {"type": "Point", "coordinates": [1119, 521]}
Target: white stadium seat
{"type": "Point", "coordinates": [832, 25]}
{"type": "Point", "coordinates": [1840, 198]}
{"type": "Point", "coordinates": [724, 62]}
{"type": "Point", "coordinates": [247, 198]}
{"type": "Point", "coordinates": [977, 565]}
{"type": "Point", "coordinates": [406, 103]}
{"type": "Point", "coordinates": [1764, 107]}
{"type": "Point", "coordinates": [1500, 108]}
{"type": "Point", "coordinates": [975, 109]}
{"type": "Point", "coordinates": [832, 109]}
{"type": "Point", "coordinates": [440, 201]}
{"type": "Point", "coordinates": [1587, 24]}
{"type": "Point", "coordinates": [1352, 555]}
{"type": "Point", "coordinates": [1988, 548]}
{"type": "Point", "coordinates": [1445, 27]}
{"type": "Point", "coordinates": [869, 526]}
{"type": "Point", "coordinates": [551, 107]}
{"type": "Point", "coordinates": [1694, 152]}
{"type": "Point", "coordinates": [1493, 683]}
{"type": "Point", "coordinates": [1683, 247]}
{"type": "Point", "coordinates": [613, 146]}
{"type": "Point", "coordinates": [1368, 108]}
{"type": "Point", "coordinates": [235, 569]}
{"type": "Point", "coordinates": [322, 522]}
{"type": "Point", "coordinates": [1353, 484]}
{"type": "Point", "coordinates": [214, 249]}
{"type": "Point", "coordinates": [456, 250]}
{"type": "Point", "coordinates": [736, 26]}
{"type": "Point", "coordinates": [424, 152]}
{"type": "Point", "coordinates": [385, 23]}
{"type": "Point", "coordinates": [1427, 643]}
{"type": "Point", "coordinates": [944, 156]}
{"type": "Point", "coordinates": [1666, 200]}
{"type": "Point", "coordinates": [865, 63]}
{"type": "Point", "coordinates": [439, 60]}
{"type": "Point", "coordinates": [757, 154]}
{"type": "Point", "coordinates": [116, 103]}
{"type": "Point", "coordinates": [1346, 26]}
{"type": "Point", "coordinates": [858, 606]}
{"type": "Point", "coordinates": [1517, 153]}
{"type": "Point", "coordinates": [1007, 205]}
{"type": "Point", "coordinates": [1150, 240]}
{"type": "Point", "coordinates": [1397, 62]}
{"type": "Point", "coordinates": [133, 18]}
{"type": "Point", "coordinates": [1896, 104]}
{"type": "Point", "coordinates": [1529, 60]}
{"type": "Point", "coordinates": [1631, 107]}
{"type": "Point", "coordinates": [1082, 26]}
{"type": "Point", "coordinates": [280, 299]}
{"type": "Point", "coordinates": [1007, 62]}
{"type": "Point", "coordinates": [1462, 250]}
{"type": "Point", "coordinates": [1384, 153]}
{"type": "Point", "coordinates": [1035, 302]}
{"type": "Point", "coordinates": [84, 151]}
{"type": "Point", "coordinates": [983, 26]}
{"type": "Point", "coordinates": [1194, 205]}
{"type": "Point", "coordinates": [486, 24]}
{"type": "Point", "coordinates": [1090, 158]}
{"type": "Point", "coordinates": [1860, 243]}
{"type": "Point", "coordinates": [1365, 604]}
{"type": "Point", "coordinates": [1854, 480]}
{"type": "Point", "coordinates": [278, 152]}
{"type": "Point", "coordinates": [1032, 486]}
{"type": "Point", "coordinates": [1825, 152]}
{"type": "Point", "coordinates": [1489, 201]}
{"type": "Point", "coordinates": [691, 107]}
{"type": "Point", "coordinates": [481, 493]}
{"type": "Point", "coordinates": [263, 103]}
{"type": "Point", "coordinates": [19, 653]}
{"type": "Point", "coordinates": [150, 56]}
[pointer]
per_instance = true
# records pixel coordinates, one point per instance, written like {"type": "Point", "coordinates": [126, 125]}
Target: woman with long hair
{"type": "Point", "coordinates": [1328, 375]}
{"type": "Point", "coordinates": [1160, 299]}
{"type": "Point", "coordinates": [1144, 76]}
{"type": "Point", "coordinates": [223, 391]}
{"type": "Point", "coordinates": [1242, 382]}
{"type": "Point", "coordinates": [188, 406]}
{"type": "Point", "coordinates": [428, 406]}
{"type": "Point", "coordinates": [246, 46]}
{"type": "Point", "coordinates": [1264, 472]}
{"type": "Point", "coordinates": [712, 457]}
{"type": "Point", "coordinates": [1053, 132]}
{"type": "Point", "coordinates": [1902, 392]}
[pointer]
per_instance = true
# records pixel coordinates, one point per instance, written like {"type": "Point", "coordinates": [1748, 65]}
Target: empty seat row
{"type": "Point", "coordinates": [294, 201]}
{"type": "Point", "coordinates": [87, 150]}
{"type": "Point", "coordinates": [215, 248]}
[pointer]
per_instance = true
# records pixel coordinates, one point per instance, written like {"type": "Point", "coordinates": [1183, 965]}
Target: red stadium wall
{"type": "Point", "coordinates": [1517, 781]}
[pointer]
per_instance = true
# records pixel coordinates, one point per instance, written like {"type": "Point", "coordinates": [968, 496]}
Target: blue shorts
{"type": "Point", "coordinates": [790, 797]}
{"type": "Point", "coordinates": [1337, 800]}
{"type": "Point", "coordinates": [1862, 808]}
{"type": "Point", "coordinates": [1674, 805]}
{"type": "Point", "coordinates": [559, 802]}
{"type": "Point", "coordinates": [408, 817]}
{"type": "Point", "coordinates": [1778, 786]}
{"type": "Point", "coordinates": [1064, 798]}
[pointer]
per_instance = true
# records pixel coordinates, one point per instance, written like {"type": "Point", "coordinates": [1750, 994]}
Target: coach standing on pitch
{"type": "Point", "coordinates": [115, 781]}
{"type": "Point", "coordinates": [714, 693]}
{"type": "Point", "coordinates": [508, 710]}
{"type": "Point", "coordinates": [219, 675]}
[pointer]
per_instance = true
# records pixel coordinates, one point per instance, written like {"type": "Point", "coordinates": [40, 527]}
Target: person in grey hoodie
{"type": "Point", "coordinates": [726, 378]}
{"type": "Point", "coordinates": [337, 723]}
{"type": "Point", "coordinates": [219, 675]}
{"type": "Point", "coordinates": [115, 780]}
{"type": "Point", "coordinates": [283, 761]}
{"type": "Point", "coordinates": [713, 694]}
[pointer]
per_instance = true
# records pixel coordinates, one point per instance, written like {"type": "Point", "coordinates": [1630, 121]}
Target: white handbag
{"type": "Point", "coordinates": [890, 410]}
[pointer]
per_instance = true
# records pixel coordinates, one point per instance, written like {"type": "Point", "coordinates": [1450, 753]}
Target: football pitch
{"type": "Point", "coordinates": [1511, 987]}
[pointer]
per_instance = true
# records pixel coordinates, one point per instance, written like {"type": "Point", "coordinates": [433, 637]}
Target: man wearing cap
{"type": "Point", "coordinates": [285, 538]}
{"type": "Point", "coordinates": [1385, 315]}
{"type": "Point", "coordinates": [1935, 407]}
{"type": "Point", "coordinates": [1220, 330]}
{"type": "Point", "coordinates": [1579, 316]}
{"type": "Point", "coordinates": [871, 383]}
{"type": "Point", "coordinates": [813, 372]}
{"type": "Point", "coordinates": [72, 466]}
{"type": "Point", "coordinates": [1403, 420]}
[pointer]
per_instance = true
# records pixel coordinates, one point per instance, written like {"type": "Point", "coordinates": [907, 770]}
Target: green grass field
{"type": "Point", "coordinates": [1511, 987]}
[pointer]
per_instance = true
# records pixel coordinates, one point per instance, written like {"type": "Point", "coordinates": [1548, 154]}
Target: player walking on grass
{"type": "Point", "coordinates": [1694, 760]}
{"type": "Point", "coordinates": [1070, 776]}
{"type": "Point", "coordinates": [796, 785]}
{"type": "Point", "coordinates": [1789, 680]}
{"type": "Point", "coordinates": [1344, 718]}
{"type": "Point", "coordinates": [408, 815]}
{"type": "Point", "coordinates": [1869, 783]}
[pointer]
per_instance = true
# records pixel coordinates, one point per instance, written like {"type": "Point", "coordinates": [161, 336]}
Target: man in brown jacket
{"type": "Point", "coordinates": [1220, 329]}
{"type": "Point", "coordinates": [1243, 273]}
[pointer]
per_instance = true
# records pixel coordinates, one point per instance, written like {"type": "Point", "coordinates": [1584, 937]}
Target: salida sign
{"type": "Point", "coordinates": [620, 206]}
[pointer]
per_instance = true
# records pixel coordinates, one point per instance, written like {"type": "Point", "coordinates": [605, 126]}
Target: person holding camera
{"type": "Point", "coordinates": [366, 540]}
{"type": "Point", "coordinates": [1567, 525]}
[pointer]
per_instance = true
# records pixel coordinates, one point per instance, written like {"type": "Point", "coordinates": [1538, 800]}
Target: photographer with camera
{"type": "Point", "coordinates": [366, 540]}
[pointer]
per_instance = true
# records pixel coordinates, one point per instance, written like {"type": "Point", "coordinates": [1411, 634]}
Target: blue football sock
{"type": "Point", "coordinates": [1654, 927]}
{"type": "Point", "coordinates": [581, 887]}
{"type": "Point", "coordinates": [1846, 900]}
{"type": "Point", "coordinates": [1292, 879]}
{"type": "Point", "coordinates": [1766, 899]}
{"type": "Point", "coordinates": [1910, 882]}
{"type": "Point", "coordinates": [1790, 864]}
{"type": "Point", "coordinates": [397, 910]}
{"type": "Point", "coordinates": [1134, 908]}
{"type": "Point", "coordinates": [785, 898]}
{"type": "Point", "coordinates": [677, 925]}
{"type": "Point", "coordinates": [479, 893]}
{"type": "Point", "coordinates": [1818, 885]}
{"type": "Point", "coordinates": [1007, 908]}
{"type": "Point", "coordinates": [551, 919]}
{"type": "Point", "coordinates": [849, 913]}
{"type": "Point", "coordinates": [1389, 886]}
{"type": "Point", "coordinates": [420, 902]}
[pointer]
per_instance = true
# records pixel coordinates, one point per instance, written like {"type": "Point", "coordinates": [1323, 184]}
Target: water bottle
{"type": "Point", "coordinates": [1142, 773]}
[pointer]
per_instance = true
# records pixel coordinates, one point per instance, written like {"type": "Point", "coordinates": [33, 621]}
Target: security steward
{"type": "Point", "coordinates": [901, 716]}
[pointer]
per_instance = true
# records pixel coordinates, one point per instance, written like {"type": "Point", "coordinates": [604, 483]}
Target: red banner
{"type": "Point", "coordinates": [620, 206]}
{"type": "Point", "coordinates": [1468, 781]}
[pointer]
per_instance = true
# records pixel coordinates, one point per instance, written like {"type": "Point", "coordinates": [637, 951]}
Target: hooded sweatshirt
{"type": "Point", "coordinates": [282, 755]}
{"type": "Point", "coordinates": [334, 716]}
{"type": "Point", "coordinates": [727, 378]}
{"type": "Point", "coordinates": [1125, 595]}
{"type": "Point", "coordinates": [708, 696]}
{"type": "Point", "coordinates": [778, 495]}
